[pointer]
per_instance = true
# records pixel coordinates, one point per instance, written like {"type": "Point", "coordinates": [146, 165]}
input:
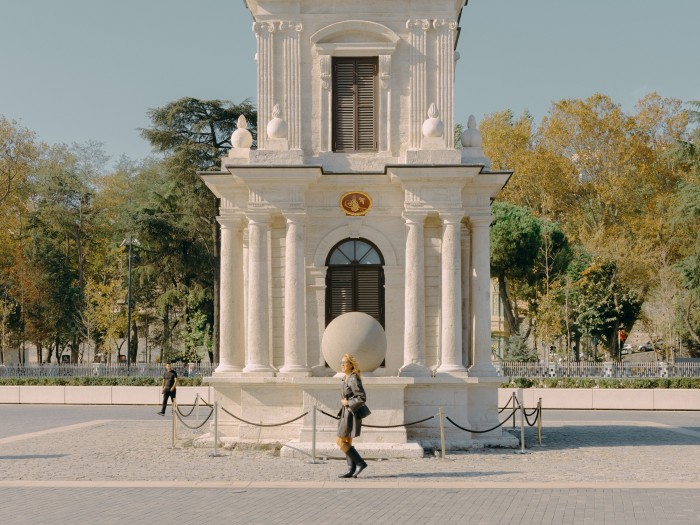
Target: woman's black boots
{"type": "Point", "coordinates": [351, 467]}
{"type": "Point", "coordinates": [358, 463]}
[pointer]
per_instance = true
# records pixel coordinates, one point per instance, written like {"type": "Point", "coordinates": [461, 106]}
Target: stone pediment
{"type": "Point", "coordinates": [354, 31]}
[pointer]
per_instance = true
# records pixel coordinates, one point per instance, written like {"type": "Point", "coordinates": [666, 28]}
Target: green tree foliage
{"type": "Point", "coordinates": [180, 221]}
{"type": "Point", "coordinates": [606, 178]}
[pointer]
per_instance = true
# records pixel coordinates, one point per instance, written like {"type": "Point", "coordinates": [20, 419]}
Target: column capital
{"type": "Point", "coordinates": [294, 216]}
{"type": "Point", "coordinates": [230, 221]}
{"type": "Point", "coordinates": [481, 220]}
{"type": "Point", "coordinates": [415, 216]}
{"type": "Point", "coordinates": [451, 216]}
{"type": "Point", "coordinates": [258, 216]}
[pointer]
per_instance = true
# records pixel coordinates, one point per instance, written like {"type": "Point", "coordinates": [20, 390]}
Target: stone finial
{"type": "Point", "coordinates": [471, 137]}
{"type": "Point", "coordinates": [241, 138]}
{"type": "Point", "coordinates": [277, 127]}
{"type": "Point", "coordinates": [472, 152]}
{"type": "Point", "coordinates": [433, 126]}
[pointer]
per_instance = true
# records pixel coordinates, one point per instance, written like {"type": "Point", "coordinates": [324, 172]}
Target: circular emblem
{"type": "Point", "coordinates": [355, 203]}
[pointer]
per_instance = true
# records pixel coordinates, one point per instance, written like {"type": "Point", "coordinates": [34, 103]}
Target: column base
{"type": "Point", "coordinates": [294, 371]}
{"type": "Point", "coordinates": [259, 371]}
{"type": "Point", "coordinates": [414, 370]}
{"type": "Point", "coordinates": [227, 371]}
{"type": "Point", "coordinates": [483, 371]}
{"type": "Point", "coordinates": [451, 370]}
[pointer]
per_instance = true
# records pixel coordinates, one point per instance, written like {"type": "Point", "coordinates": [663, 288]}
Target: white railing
{"type": "Point", "coordinates": [592, 369]}
{"type": "Point", "coordinates": [103, 370]}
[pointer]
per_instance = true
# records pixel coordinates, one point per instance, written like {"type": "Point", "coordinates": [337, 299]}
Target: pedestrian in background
{"type": "Point", "coordinates": [168, 387]}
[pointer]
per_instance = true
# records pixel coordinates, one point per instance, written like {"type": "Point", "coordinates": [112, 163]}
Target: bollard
{"type": "Point", "coordinates": [215, 453]}
{"type": "Point", "coordinates": [174, 423]}
{"type": "Point", "coordinates": [442, 432]}
{"type": "Point", "coordinates": [313, 435]}
{"type": "Point", "coordinates": [539, 421]}
{"type": "Point", "coordinates": [196, 408]}
{"type": "Point", "coordinates": [513, 398]}
{"type": "Point", "coordinates": [522, 424]}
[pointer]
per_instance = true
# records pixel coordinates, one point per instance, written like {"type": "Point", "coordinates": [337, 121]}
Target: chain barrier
{"type": "Point", "coordinates": [380, 426]}
{"type": "Point", "coordinates": [179, 416]}
{"type": "Point", "coordinates": [512, 399]}
{"type": "Point", "coordinates": [196, 403]}
{"type": "Point", "coordinates": [261, 424]}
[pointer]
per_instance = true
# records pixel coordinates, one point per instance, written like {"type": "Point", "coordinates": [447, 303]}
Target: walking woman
{"type": "Point", "coordinates": [353, 397]}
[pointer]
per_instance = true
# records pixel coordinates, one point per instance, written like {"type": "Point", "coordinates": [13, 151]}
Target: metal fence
{"type": "Point", "coordinates": [103, 370]}
{"type": "Point", "coordinates": [592, 369]}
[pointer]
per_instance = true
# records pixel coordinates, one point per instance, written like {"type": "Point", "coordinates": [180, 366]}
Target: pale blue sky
{"type": "Point", "coordinates": [79, 70]}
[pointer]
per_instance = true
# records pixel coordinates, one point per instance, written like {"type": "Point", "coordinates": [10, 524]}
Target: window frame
{"type": "Point", "coordinates": [342, 89]}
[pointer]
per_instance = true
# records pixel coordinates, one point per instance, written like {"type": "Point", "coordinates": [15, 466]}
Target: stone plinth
{"type": "Point", "coordinates": [469, 401]}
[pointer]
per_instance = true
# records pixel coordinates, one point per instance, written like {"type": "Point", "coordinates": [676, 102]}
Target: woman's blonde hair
{"type": "Point", "coordinates": [355, 366]}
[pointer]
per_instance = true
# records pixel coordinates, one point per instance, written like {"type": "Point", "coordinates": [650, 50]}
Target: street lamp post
{"type": "Point", "coordinates": [130, 240]}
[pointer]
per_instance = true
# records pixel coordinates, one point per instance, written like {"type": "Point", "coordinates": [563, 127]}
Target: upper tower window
{"type": "Point", "coordinates": [355, 103]}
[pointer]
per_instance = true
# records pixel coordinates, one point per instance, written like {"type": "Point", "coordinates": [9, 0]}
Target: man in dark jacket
{"type": "Point", "coordinates": [168, 387]}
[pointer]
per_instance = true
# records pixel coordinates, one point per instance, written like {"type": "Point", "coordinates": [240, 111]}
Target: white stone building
{"type": "Point", "coordinates": [356, 199]}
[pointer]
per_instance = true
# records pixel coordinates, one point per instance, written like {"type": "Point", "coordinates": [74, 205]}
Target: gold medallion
{"type": "Point", "coordinates": [355, 203]}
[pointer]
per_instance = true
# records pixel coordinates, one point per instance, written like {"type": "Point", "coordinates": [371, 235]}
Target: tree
{"type": "Point", "coordinates": [194, 134]}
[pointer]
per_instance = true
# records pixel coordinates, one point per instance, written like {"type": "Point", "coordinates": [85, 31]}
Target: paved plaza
{"type": "Point", "coordinates": [115, 464]}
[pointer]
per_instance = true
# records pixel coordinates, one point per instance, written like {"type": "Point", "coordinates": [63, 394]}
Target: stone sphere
{"type": "Point", "coordinates": [358, 334]}
{"type": "Point", "coordinates": [277, 129]}
{"type": "Point", "coordinates": [433, 127]}
{"type": "Point", "coordinates": [241, 139]}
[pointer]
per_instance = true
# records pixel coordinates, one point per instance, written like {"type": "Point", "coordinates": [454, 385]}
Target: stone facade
{"type": "Point", "coordinates": [429, 219]}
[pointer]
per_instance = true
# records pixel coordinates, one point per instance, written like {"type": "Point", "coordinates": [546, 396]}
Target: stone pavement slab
{"type": "Point", "coordinates": [111, 466]}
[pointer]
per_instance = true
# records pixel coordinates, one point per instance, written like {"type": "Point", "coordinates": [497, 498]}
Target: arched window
{"type": "Point", "coordinates": [355, 280]}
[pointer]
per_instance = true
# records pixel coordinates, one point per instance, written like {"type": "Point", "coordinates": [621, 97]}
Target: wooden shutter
{"type": "Point", "coordinates": [369, 292]}
{"type": "Point", "coordinates": [339, 292]}
{"type": "Point", "coordinates": [354, 104]}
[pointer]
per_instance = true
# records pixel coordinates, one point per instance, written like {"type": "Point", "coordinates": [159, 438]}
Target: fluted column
{"type": "Point", "coordinates": [294, 298]}
{"type": "Point", "coordinates": [414, 302]}
{"type": "Point", "coordinates": [292, 79]}
{"type": "Point", "coordinates": [451, 309]}
{"type": "Point", "coordinates": [481, 298]}
{"type": "Point", "coordinates": [466, 295]}
{"type": "Point", "coordinates": [445, 74]}
{"type": "Point", "coordinates": [417, 41]}
{"type": "Point", "coordinates": [231, 331]}
{"type": "Point", "coordinates": [258, 355]}
{"type": "Point", "coordinates": [264, 36]}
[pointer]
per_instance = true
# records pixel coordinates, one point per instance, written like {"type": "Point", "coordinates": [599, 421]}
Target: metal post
{"type": "Point", "coordinates": [522, 424]}
{"type": "Point", "coordinates": [515, 407]}
{"type": "Point", "coordinates": [442, 432]}
{"type": "Point", "coordinates": [215, 453]}
{"type": "Point", "coordinates": [128, 313]}
{"type": "Point", "coordinates": [539, 421]}
{"type": "Point", "coordinates": [313, 435]}
{"type": "Point", "coordinates": [174, 423]}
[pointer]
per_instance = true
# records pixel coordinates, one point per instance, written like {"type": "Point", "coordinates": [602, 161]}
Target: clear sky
{"type": "Point", "coordinates": [80, 70]}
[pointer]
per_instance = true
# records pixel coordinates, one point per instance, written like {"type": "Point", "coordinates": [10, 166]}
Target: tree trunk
{"type": "Point", "coordinates": [507, 309]}
{"type": "Point", "coordinates": [134, 350]}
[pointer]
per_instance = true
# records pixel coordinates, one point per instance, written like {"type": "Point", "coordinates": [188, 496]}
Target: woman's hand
{"type": "Point", "coordinates": [344, 402]}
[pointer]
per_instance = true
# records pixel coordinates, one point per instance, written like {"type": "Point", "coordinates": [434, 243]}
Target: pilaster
{"type": "Point", "coordinates": [445, 75]}
{"type": "Point", "coordinates": [417, 41]}
{"type": "Point", "coordinates": [264, 36]}
{"type": "Point", "coordinates": [292, 79]}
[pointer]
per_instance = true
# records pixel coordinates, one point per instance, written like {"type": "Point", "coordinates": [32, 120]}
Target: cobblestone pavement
{"type": "Point", "coordinates": [116, 465]}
